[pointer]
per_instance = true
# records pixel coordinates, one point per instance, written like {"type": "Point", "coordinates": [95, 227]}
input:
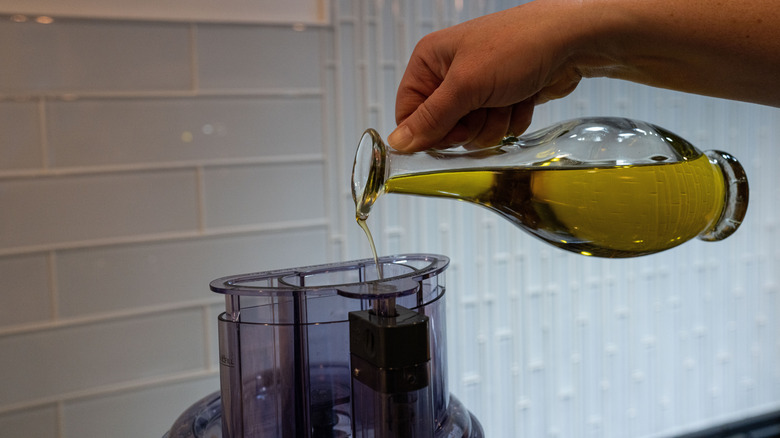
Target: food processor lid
{"type": "Point", "coordinates": [354, 279]}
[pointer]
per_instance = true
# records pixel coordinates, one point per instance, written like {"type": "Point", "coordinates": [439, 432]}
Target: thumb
{"type": "Point", "coordinates": [432, 121]}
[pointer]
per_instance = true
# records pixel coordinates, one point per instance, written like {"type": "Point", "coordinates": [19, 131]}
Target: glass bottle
{"type": "Point", "coordinates": [606, 187]}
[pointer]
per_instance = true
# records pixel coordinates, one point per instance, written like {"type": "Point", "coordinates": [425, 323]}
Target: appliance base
{"type": "Point", "coordinates": [204, 420]}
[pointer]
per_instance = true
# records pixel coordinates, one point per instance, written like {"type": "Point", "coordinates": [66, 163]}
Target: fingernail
{"type": "Point", "coordinates": [401, 138]}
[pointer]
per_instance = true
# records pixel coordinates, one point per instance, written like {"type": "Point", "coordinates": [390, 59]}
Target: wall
{"type": "Point", "coordinates": [139, 160]}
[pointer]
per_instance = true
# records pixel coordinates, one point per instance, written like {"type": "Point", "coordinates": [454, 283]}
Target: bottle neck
{"type": "Point", "coordinates": [368, 172]}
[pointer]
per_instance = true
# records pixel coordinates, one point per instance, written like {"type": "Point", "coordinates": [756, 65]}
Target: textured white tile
{"type": "Point", "coordinates": [38, 423]}
{"type": "Point", "coordinates": [74, 55]}
{"type": "Point", "coordinates": [51, 362]}
{"type": "Point", "coordinates": [128, 276]}
{"type": "Point", "coordinates": [24, 289]}
{"type": "Point", "coordinates": [241, 195]}
{"type": "Point", "coordinates": [148, 412]}
{"type": "Point", "coordinates": [94, 132]}
{"type": "Point", "coordinates": [257, 57]}
{"type": "Point", "coordinates": [72, 208]}
{"type": "Point", "coordinates": [20, 139]}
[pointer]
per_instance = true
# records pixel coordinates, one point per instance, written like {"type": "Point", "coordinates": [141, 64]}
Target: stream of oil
{"type": "Point", "coordinates": [381, 306]}
{"type": "Point", "coordinates": [364, 226]}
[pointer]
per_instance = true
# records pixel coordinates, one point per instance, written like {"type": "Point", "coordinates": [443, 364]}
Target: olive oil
{"type": "Point", "coordinates": [362, 223]}
{"type": "Point", "coordinates": [380, 306]}
{"type": "Point", "coordinates": [621, 211]}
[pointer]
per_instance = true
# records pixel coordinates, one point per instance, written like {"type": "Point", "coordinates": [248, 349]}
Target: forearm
{"type": "Point", "coordinates": [473, 83]}
{"type": "Point", "coordinates": [728, 48]}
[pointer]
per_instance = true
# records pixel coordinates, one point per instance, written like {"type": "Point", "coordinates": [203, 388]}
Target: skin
{"type": "Point", "coordinates": [474, 83]}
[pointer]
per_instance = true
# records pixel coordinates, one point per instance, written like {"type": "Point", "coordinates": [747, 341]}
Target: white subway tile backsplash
{"type": "Point", "coordinates": [94, 132]}
{"type": "Point", "coordinates": [131, 276]}
{"type": "Point", "coordinates": [272, 57]}
{"type": "Point", "coordinates": [50, 363]}
{"type": "Point", "coordinates": [25, 290]}
{"type": "Point", "coordinates": [82, 207]}
{"type": "Point", "coordinates": [39, 423]}
{"type": "Point", "coordinates": [86, 56]}
{"type": "Point", "coordinates": [20, 136]}
{"type": "Point", "coordinates": [243, 195]}
{"type": "Point", "coordinates": [147, 412]}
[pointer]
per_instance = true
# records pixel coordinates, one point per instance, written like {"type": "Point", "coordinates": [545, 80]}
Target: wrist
{"type": "Point", "coordinates": [605, 40]}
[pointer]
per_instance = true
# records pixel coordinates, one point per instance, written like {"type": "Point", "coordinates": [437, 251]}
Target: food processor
{"type": "Point", "coordinates": [349, 349]}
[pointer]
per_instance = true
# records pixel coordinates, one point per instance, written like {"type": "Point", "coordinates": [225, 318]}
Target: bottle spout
{"type": "Point", "coordinates": [368, 172]}
{"type": "Point", "coordinates": [736, 196]}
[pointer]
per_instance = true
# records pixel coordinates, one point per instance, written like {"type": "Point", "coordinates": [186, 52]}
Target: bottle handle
{"type": "Point", "coordinates": [736, 202]}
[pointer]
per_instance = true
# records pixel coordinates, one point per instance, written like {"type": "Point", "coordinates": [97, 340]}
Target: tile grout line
{"type": "Point", "coordinates": [51, 261]}
{"type": "Point", "coordinates": [330, 212]}
{"type": "Point", "coordinates": [106, 316]}
{"type": "Point", "coordinates": [151, 166]}
{"type": "Point", "coordinates": [322, 11]}
{"type": "Point", "coordinates": [74, 96]}
{"type": "Point", "coordinates": [59, 400]}
{"type": "Point", "coordinates": [60, 415]}
{"type": "Point", "coordinates": [207, 328]}
{"type": "Point", "coordinates": [194, 77]}
{"type": "Point", "coordinates": [43, 133]}
{"type": "Point", "coordinates": [200, 189]}
{"type": "Point", "coordinates": [338, 96]}
{"type": "Point", "coordinates": [382, 105]}
{"type": "Point", "coordinates": [168, 236]}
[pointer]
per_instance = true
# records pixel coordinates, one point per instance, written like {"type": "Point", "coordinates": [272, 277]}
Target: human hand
{"type": "Point", "coordinates": [474, 83]}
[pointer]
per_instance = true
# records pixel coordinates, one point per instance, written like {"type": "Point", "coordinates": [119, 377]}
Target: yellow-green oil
{"type": "Point", "coordinates": [622, 211]}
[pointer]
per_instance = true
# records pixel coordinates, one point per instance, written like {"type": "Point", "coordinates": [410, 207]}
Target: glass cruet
{"type": "Point", "coordinates": [606, 187]}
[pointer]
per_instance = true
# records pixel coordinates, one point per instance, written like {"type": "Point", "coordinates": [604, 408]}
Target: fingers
{"type": "Point", "coordinates": [559, 88]}
{"type": "Point", "coordinates": [501, 122]}
{"type": "Point", "coordinates": [433, 119]}
{"type": "Point", "coordinates": [522, 113]}
{"type": "Point", "coordinates": [493, 126]}
{"type": "Point", "coordinates": [480, 128]}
